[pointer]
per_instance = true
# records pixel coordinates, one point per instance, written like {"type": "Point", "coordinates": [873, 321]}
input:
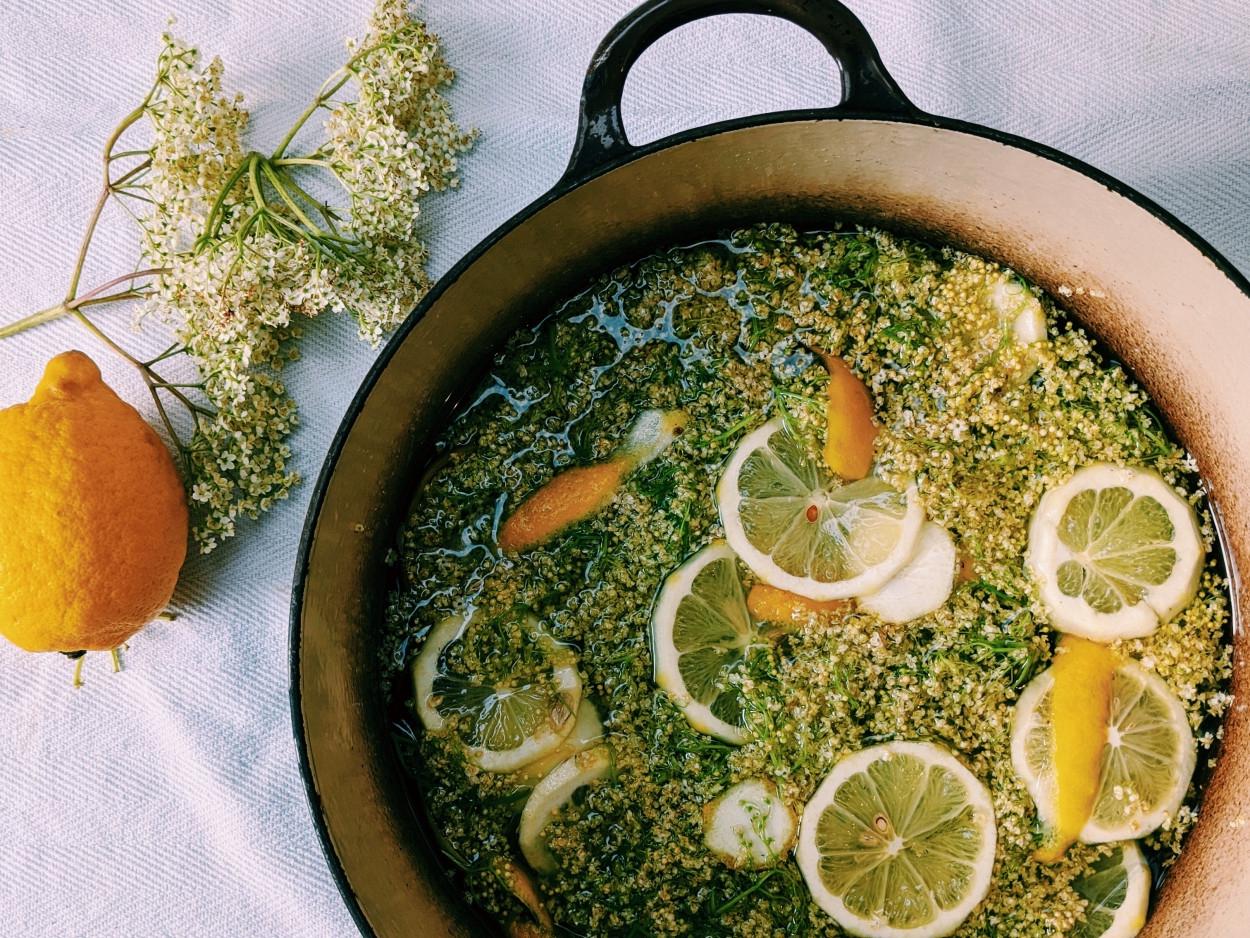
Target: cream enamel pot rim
{"type": "Point", "coordinates": [1165, 302]}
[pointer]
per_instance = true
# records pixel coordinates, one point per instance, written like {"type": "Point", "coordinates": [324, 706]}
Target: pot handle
{"type": "Point", "coordinates": [867, 87]}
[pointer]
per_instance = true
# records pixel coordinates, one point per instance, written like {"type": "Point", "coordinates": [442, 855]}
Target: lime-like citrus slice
{"type": "Point", "coordinates": [923, 585]}
{"type": "Point", "coordinates": [1117, 892]}
{"type": "Point", "coordinates": [898, 842]}
{"type": "Point", "coordinates": [552, 794]}
{"type": "Point", "coordinates": [749, 826]}
{"type": "Point", "coordinates": [1115, 552]}
{"type": "Point", "coordinates": [799, 530]}
{"type": "Point", "coordinates": [506, 687]}
{"type": "Point", "coordinates": [1146, 763]}
{"type": "Point", "coordinates": [700, 634]}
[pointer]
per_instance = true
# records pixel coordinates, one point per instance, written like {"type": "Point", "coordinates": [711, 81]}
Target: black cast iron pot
{"type": "Point", "coordinates": [1167, 304]}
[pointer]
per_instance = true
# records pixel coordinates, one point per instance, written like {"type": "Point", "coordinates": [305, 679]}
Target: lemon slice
{"type": "Point", "coordinates": [1146, 763]}
{"type": "Point", "coordinates": [800, 531]}
{"type": "Point", "coordinates": [749, 826]}
{"type": "Point", "coordinates": [1115, 552]}
{"type": "Point", "coordinates": [552, 794]}
{"type": "Point", "coordinates": [898, 842]}
{"type": "Point", "coordinates": [1020, 313]}
{"type": "Point", "coordinates": [923, 585]}
{"type": "Point", "coordinates": [1117, 892]}
{"type": "Point", "coordinates": [587, 731]}
{"type": "Point", "coordinates": [514, 705]}
{"type": "Point", "coordinates": [700, 634]}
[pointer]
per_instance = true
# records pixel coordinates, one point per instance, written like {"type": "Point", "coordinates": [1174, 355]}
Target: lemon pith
{"type": "Point", "coordinates": [749, 826]}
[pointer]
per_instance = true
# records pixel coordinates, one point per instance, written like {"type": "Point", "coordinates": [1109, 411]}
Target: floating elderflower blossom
{"type": "Point", "coordinates": [237, 247]}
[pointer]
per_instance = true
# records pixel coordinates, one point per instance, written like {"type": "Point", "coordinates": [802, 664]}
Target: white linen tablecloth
{"type": "Point", "coordinates": [167, 800]}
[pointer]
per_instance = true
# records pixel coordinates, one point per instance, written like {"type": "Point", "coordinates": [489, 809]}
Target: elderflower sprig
{"type": "Point", "coordinates": [239, 246]}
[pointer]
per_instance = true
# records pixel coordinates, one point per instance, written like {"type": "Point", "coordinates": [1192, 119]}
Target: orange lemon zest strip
{"type": "Point", "coordinates": [575, 494]}
{"type": "Point", "coordinates": [770, 604]}
{"type": "Point", "coordinates": [1080, 714]}
{"type": "Point", "coordinates": [568, 498]}
{"type": "Point", "coordinates": [850, 431]}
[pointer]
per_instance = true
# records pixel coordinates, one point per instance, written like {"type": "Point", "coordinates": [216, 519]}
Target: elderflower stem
{"type": "Point", "coordinates": [72, 300]}
{"type": "Point", "coordinates": [339, 79]}
{"type": "Point", "coordinates": [106, 339]}
{"type": "Point", "coordinates": [85, 245]}
{"type": "Point", "coordinates": [264, 240]}
{"type": "Point", "coordinates": [275, 180]}
{"type": "Point", "coordinates": [91, 298]}
{"type": "Point", "coordinates": [327, 91]}
{"type": "Point", "coordinates": [153, 381]}
{"type": "Point", "coordinates": [212, 223]}
{"type": "Point", "coordinates": [106, 191]}
{"type": "Point", "coordinates": [34, 319]}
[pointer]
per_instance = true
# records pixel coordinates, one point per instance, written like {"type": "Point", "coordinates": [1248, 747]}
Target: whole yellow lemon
{"type": "Point", "coordinates": [93, 515]}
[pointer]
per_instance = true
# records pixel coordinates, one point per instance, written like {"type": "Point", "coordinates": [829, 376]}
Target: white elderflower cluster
{"type": "Point", "coordinates": [390, 146]}
{"type": "Point", "coordinates": [197, 143]}
{"type": "Point", "coordinates": [243, 249]}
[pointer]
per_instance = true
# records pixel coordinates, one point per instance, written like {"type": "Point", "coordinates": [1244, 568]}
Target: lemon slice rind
{"type": "Point", "coordinates": [1129, 917]}
{"type": "Point", "coordinates": [425, 670]}
{"type": "Point", "coordinates": [587, 731]}
{"type": "Point", "coordinates": [729, 499]}
{"type": "Point", "coordinates": [808, 853]}
{"type": "Point", "coordinates": [1047, 553]}
{"type": "Point", "coordinates": [550, 795]}
{"type": "Point", "coordinates": [1020, 312]}
{"type": "Point", "coordinates": [748, 826]}
{"type": "Point", "coordinates": [923, 584]}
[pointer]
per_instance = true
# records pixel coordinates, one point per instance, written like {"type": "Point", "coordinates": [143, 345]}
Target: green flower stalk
{"type": "Point", "coordinates": [240, 246]}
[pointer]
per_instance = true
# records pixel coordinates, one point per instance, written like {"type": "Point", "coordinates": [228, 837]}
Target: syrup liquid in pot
{"type": "Point", "coordinates": [720, 329]}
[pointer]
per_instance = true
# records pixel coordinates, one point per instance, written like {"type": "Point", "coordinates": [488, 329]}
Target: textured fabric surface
{"type": "Point", "coordinates": [167, 800]}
